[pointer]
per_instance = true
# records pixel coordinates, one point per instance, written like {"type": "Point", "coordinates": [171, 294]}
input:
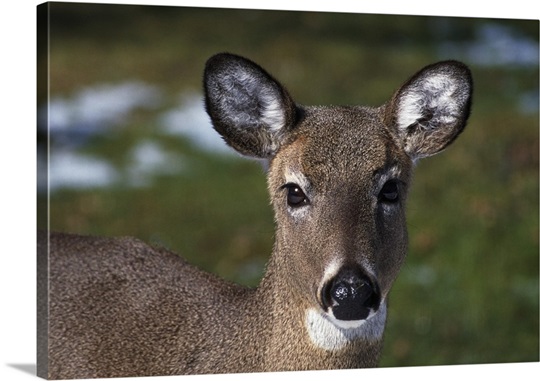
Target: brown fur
{"type": "Point", "coordinates": [118, 307]}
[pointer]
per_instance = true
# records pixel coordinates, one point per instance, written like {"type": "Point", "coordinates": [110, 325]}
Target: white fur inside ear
{"type": "Point", "coordinates": [271, 109]}
{"type": "Point", "coordinates": [431, 102]}
{"type": "Point", "coordinates": [272, 113]}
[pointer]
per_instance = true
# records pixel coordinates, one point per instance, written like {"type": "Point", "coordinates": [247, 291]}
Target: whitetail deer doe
{"type": "Point", "coordinates": [338, 180]}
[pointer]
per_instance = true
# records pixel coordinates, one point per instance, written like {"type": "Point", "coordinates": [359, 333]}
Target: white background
{"type": "Point", "coordinates": [18, 168]}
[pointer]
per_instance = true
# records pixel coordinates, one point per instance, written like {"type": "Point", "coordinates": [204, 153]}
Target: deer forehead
{"type": "Point", "coordinates": [337, 145]}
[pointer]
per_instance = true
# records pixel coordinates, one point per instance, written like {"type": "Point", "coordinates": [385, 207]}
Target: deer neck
{"type": "Point", "coordinates": [300, 337]}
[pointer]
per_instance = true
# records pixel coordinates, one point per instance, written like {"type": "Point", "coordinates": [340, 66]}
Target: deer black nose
{"type": "Point", "coordinates": [350, 295]}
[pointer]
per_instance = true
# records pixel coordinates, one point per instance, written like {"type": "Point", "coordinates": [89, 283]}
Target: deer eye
{"type": "Point", "coordinates": [295, 196]}
{"type": "Point", "coordinates": [389, 192]}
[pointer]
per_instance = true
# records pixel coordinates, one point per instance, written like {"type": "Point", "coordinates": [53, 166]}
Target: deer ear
{"type": "Point", "coordinates": [431, 109]}
{"type": "Point", "coordinates": [248, 107]}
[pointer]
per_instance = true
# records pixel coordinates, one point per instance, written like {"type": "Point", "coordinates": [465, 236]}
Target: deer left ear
{"type": "Point", "coordinates": [431, 109]}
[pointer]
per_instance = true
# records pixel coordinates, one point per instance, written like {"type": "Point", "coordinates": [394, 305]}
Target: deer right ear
{"type": "Point", "coordinates": [431, 109]}
{"type": "Point", "coordinates": [248, 107]}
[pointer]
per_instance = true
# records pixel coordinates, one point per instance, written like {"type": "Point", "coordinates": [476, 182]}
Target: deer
{"type": "Point", "coordinates": [338, 179]}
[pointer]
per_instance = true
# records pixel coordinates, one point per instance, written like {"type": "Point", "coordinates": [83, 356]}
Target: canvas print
{"type": "Point", "coordinates": [238, 191]}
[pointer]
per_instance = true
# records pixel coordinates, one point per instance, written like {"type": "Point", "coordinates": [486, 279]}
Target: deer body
{"type": "Point", "coordinates": [337, 178]}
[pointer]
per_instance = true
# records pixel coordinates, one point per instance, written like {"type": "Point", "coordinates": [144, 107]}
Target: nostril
{"type": "Point", "coordinates": [326, 296]}
{"type": "Point", "coordinates": [350, 297]}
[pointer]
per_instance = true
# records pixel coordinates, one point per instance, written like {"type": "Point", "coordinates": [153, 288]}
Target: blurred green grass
{"type": "Point", "coordinates": [468, 292]}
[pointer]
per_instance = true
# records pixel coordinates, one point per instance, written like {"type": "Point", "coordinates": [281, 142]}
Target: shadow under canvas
{"type": "Point", "coordinates": [26, 368]}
